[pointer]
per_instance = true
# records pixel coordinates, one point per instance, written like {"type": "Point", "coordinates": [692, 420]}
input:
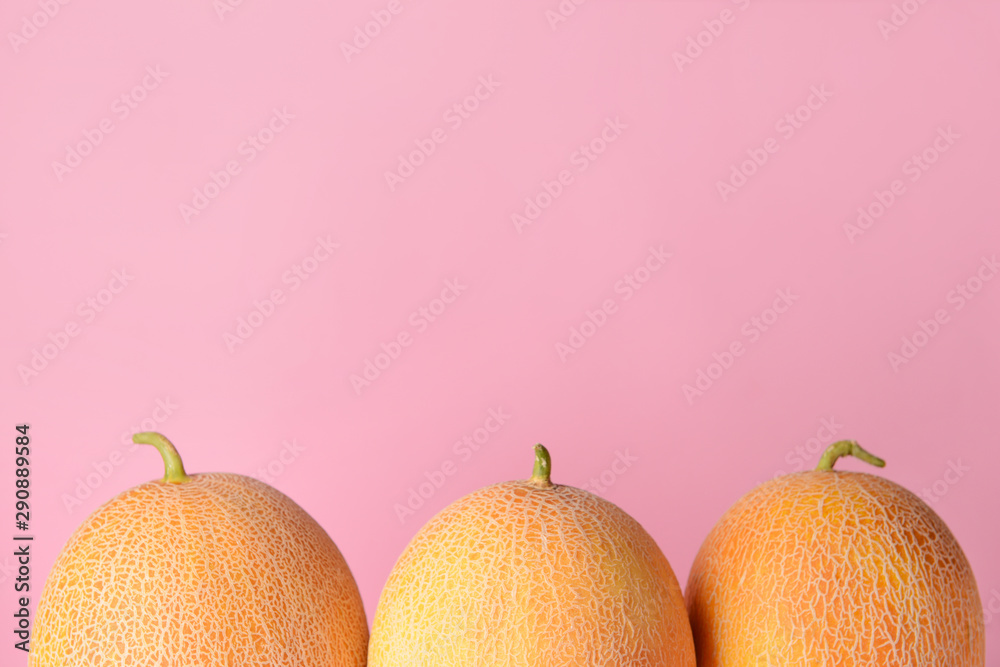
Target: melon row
{"type": "Point", "coordinates": [820, 568]}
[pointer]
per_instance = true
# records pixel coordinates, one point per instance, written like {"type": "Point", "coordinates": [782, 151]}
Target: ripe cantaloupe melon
{"type": "Point", "coordinates": [204, 570]}
{"type": "Point", "coordinates": [836, 569]}
{"type": "Point", "coordinates": [535, 574]}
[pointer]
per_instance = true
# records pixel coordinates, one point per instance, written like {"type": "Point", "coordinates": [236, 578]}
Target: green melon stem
{"type": "Point", "coordinates": [847, 448]}
{"type": "Point", "coordinates": [171, 459]}
{"type": "Point", "coordinates": [542, 474]}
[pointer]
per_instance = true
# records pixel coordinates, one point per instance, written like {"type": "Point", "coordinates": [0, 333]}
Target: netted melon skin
{"type": "Point", "coordinates": [513, 575]}
{"type": "Point", "coordinates": [835, 569]}
{"type": "Point", "coordinates": [221, 570]}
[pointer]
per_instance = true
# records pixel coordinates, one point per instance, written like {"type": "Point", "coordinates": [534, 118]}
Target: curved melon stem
{"type": "Point", "coordinates": [847, 448]}
{"type": "Point", "coordinates": [541, 476]}
{"type": "Point", "coordinates": [171, 459]}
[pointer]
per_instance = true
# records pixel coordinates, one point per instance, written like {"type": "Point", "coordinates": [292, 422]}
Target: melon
{"type": "Point", "coordinates": [536, 574]}
{"type": "Point", "coordinates": [204, 570]}
{"type": "Point", "coordinates": [834, 569]}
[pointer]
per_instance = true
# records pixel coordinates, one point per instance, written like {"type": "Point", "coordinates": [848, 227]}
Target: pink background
{"type": "Point", "coordinates": [161, 339]}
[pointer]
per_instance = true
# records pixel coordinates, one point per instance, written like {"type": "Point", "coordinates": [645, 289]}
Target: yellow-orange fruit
{"type": "Point", "coordinates": [534, 574]}
{"type": "Point", "coordinates": [838, 569]}
{"type": "Point", "coordinates": [205, 570]}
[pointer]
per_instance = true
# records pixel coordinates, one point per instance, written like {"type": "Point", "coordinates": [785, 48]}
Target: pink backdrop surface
{"type": "Point", "coordinates": [683, 244]}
